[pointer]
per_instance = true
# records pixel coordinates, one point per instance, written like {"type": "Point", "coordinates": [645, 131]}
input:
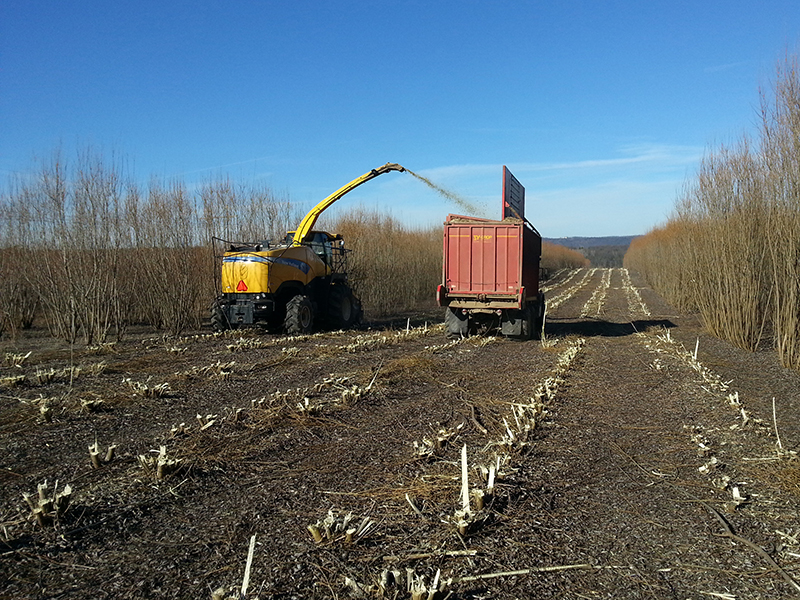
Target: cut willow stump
{"type": "Point", "coordinates": [48, 506]}
{"type": "Point", "coordinates": [94, 455]}
{"type": "Point", "coordinates": [338, 527]}
{"type": "Point", "coordinates": [463, 517]}
{"type": "Point", "coordinates": [161, 465]}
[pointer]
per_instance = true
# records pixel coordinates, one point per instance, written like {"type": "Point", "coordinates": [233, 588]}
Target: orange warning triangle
{"type": "Point", "coordinates": [242, 287]}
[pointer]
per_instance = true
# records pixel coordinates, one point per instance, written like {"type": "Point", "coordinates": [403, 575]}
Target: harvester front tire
{"type": "Point", "coordinates": [456, 324]}
{"type": "Point", "coordinates": [219, 321]}
{"type": "Point", "coordinates": [299, 315]}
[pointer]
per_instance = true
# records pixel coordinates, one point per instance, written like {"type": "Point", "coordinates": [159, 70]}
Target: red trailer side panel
{"type": "Point", "coordinates": [490, 258]}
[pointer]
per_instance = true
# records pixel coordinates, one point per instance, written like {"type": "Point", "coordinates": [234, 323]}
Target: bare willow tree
{"type": "Point", "coordinates": [237, 214]}
{"type": "Point", "coordinates": [734, 242]}
{"type": "Point", "coordinates": [18, 299]}
{"type": "Point", "coordinates": [73, 232]}
{"type": "Point", "coordinates": [392, 266]}
{"type": "Point", "coordinates": [70, 224]}
{"type": "Point", "coordinates": [169, 258]}
{"type": "Point", "coordinates": [780, 134]}
{"type": "Point", "coordinates": [725, 253]}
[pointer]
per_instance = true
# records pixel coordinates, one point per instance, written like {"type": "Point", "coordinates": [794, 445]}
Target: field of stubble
{"type": "Point", "coordinates": [627, 455]}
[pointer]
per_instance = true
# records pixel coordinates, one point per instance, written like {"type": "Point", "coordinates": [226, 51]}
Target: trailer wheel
{"type": "Point", "coordinates": [343, 310]}
{"type": "Point", "coordinates": [528, 324]}
{"type": "Point", "coordinates": [299, 315]}
{"type": "Point", "coordinates": [539, 327]}
{"type": "Point", "coordinates": [219, 320]}
{"type": "Point", "coordinates": [456, 324]}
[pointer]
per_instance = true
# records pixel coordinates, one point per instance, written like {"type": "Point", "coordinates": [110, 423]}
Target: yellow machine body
{"type": "Point", "coordinates": [263, 272]}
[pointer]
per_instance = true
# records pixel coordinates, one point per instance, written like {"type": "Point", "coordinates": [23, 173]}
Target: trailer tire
{"type": "Point", "coordinates": [539, 328]}
{"type": "Point", "coordinates": [456, 324]}
{"type": "Point", "coordinates": [528, 323]}
{"type": "Point", "coordinates": [299, 315]}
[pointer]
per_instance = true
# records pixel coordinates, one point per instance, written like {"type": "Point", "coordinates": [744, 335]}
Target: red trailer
{"type": "Point", "coordinates": [490, 274]}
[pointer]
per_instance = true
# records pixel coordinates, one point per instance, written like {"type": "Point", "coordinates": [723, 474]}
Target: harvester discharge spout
{"type": "Point", "coordinates": [307, 224]}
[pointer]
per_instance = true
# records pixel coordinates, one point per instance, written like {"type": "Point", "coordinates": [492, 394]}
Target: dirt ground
{"type": "Point", "coordinates": [627, 455]}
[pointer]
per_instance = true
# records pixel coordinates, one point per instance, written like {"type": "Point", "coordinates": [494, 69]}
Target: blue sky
{"type": "Point", "coordinates": [600, 109]}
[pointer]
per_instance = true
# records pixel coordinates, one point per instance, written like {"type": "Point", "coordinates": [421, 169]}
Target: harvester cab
{"type": "Point", "coordinates": [296, 285]}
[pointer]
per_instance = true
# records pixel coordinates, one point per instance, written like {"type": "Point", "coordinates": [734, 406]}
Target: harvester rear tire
{"type": "Point", "coordinates": [358, 312]}
{"type": "Point", "coordinates": [456, 324]}
{"type": "Point", "coordinates": [344, 309]}
{"type": "Point", "coordinates": [299, 315]}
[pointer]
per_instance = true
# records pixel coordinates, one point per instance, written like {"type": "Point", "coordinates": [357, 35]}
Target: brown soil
{"type": "Point", "coordinates": [637, 475]}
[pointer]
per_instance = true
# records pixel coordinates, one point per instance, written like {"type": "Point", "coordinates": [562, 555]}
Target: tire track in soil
{"type": "Point", "coordinates": [622, 479]}
{"type": "Point", "coordinates": [757, 376]}
{"type": "Point", "coordinates": [565, 297]}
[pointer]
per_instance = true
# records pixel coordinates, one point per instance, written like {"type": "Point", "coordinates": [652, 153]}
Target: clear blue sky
{"type": "Point", "coordinates": [600, 109]}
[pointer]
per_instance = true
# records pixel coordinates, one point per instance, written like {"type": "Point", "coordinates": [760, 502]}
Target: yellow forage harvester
{"type": "Point", "coordinates": [295, 285]}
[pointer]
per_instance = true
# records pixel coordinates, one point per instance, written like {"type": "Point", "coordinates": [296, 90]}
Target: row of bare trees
{"type": "Point", "coordinates": [555, 257]}
{"type": "Point", "coordinates": [731, 250]}
{"type": "Point", "coordinates": [90, 252]}
{"type": "Point", "coordinates": [392, 267]}
{"type": "Point", "coordinates": [93, 252]}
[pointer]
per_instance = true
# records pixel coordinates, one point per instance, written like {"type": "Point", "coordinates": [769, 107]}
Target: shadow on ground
{"type": "Point", "coordinates": [598, 328]}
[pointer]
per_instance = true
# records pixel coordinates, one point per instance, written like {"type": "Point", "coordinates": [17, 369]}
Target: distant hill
{"type": "Point", "coordinates": [601, 251]}
{"type": "Point", "coordinates": [591, 242]}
